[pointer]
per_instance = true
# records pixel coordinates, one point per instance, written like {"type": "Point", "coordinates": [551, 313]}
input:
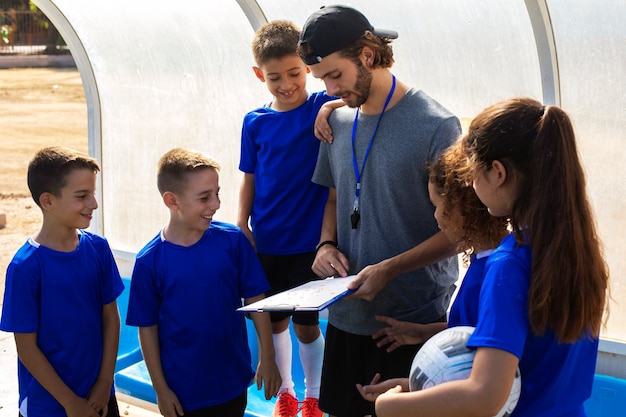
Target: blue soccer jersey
{"type": "Point", "coordinates": [556, 377]}
{"type": "Point", "coordinates": [60, 296]}
{"type": "Point", "coordinates": [192, 294]}
{"type": "Point", "coordinates": [464, 310]}
{"type": "Point", "coordinates": [280, 149]}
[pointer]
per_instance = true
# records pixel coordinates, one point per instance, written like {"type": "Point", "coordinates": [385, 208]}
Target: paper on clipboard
{"type": "Point", "coordinates": [312, 296]}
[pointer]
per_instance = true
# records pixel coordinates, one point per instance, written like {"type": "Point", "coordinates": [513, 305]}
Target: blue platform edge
{"type": "Point", "coordinates": [608, 398]}
{"type": "Point", "coordinates": [132, 378]}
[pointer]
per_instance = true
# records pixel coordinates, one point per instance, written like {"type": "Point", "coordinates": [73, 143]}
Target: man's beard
{"type": "Point", "coordinates": [362, 86]}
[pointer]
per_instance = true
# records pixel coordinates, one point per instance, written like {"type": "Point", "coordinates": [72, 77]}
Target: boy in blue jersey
{"type": "Point", "coordinates": [285, 209]}
{"type": "Point", "coordinates": [186, 286]}
{"type": "Point", "coordinates": [60, 294]}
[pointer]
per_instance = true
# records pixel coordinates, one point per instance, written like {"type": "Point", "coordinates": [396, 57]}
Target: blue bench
{"type": "Point", "coordinates": [131, 375]}
{"type": "Point", "coordinates": [132, 378]}
{"type": "Point", "coordinates": [128, 352]}
{"type": "Point", "coordinates": [608, 397]}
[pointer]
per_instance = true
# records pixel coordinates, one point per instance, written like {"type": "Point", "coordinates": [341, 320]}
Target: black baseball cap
{"type": "Point", "coordinates": [332, 28]}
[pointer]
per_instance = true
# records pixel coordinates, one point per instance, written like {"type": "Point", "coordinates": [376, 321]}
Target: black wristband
{"type": "Point", "coordinates": [326, 242]}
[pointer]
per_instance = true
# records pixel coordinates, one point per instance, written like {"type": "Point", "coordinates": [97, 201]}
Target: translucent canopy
{"type": "Point", "coordinates": [159, 75]}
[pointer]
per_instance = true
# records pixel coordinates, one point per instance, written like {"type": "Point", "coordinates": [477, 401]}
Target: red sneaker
{"type": "Point", "coordinates": [310, 408]}
{"type": "Point", "coordinates": [286, 405]}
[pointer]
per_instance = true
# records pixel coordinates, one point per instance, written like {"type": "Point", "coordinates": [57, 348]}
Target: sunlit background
{"type": "Point", "coordinates": [163, 74]}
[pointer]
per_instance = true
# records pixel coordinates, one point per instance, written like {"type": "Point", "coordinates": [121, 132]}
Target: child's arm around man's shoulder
{"type": "Point", "coordinates": [267, 371]}
{"type": "Point", "coordinates": [321, 128]}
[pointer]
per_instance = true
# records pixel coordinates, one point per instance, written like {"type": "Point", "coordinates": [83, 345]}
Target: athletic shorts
{"type": "Point", "coordinates": [350, 359]}
{"type": "Point", "coordinates": [233, 408]}
{"type": "Point", "coordinates": [285, 272]}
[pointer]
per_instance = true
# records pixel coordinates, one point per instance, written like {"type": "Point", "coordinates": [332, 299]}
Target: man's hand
{"type": "Point", "coordinates": [330, 262]}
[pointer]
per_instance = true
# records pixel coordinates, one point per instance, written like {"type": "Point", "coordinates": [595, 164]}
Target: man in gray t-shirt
{"type": "Point", "coordinates": [378, 220]}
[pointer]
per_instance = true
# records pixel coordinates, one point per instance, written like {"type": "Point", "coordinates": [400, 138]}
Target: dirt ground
{"type": "Point", "coordinates": [39, 107]}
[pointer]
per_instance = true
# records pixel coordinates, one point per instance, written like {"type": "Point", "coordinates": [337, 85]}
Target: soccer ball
{"type": "Point", "coordinates": [446, 357]}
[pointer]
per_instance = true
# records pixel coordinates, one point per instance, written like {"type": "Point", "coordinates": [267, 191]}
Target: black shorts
{"type": "Point", "coordinates": [285, 272]}
{"type": "Point", "coordinates": [233, 408]}
{"type": "Point", "coordinates": [114, 410]}
{"type": "Point", "coordinates": [350, 359]}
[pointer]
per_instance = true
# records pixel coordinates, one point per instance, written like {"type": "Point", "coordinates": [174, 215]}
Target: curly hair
{"type": "Point", "coordinates": [480, 230]}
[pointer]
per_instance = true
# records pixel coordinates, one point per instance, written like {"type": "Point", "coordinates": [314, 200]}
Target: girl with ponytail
{"type": "Point", "coordinates": [546, 285]}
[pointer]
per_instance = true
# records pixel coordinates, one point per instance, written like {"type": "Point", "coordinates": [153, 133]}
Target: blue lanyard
{"type": "Point", "coordinates": [358, 173]}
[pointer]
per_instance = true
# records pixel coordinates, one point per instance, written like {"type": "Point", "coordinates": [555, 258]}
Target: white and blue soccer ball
{"type": "Point", "coordinates": [446, 357]}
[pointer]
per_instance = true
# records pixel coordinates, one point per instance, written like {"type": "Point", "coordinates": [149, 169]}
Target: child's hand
{"type": "Point", "coordinates": [99, 396]}
{"type": "Point", "coordinates": [267, 374]}
{"type": "Point", "coordinates": [370, 281]}
{"type": "Point", "coordinates": [375, 388]}
{"type": "Point", "coordinates": [321, 128]}
{"type": "Point", "coordinates": [370, 392]}
{"type": "Point", "coordinates": [79, 407]}
{"type": "Point", "coordinates": [399, 333]}
{"type": "Point", "coordinates": [168, 403]}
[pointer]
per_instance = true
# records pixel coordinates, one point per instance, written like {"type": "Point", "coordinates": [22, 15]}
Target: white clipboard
{"type": "Point", "coordinates": [312, 296]}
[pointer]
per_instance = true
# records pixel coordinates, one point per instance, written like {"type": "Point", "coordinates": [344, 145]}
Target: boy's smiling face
{"type": "Point", "coordinates": [197, 204]}
{"type": "Point", "coordinates": [286, 79]}
{"type": "Point", "coordinates": [74, 207]}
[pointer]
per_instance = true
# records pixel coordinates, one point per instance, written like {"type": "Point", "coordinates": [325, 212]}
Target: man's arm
{"type": "Point", "coordinates": [38, 365]}
{"type": "Point", "coordinates": [329, 260]}
{"type": "Point", "coordinates": [373, 278]}
{"type": "Point", "coordinates": [168, 403]}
